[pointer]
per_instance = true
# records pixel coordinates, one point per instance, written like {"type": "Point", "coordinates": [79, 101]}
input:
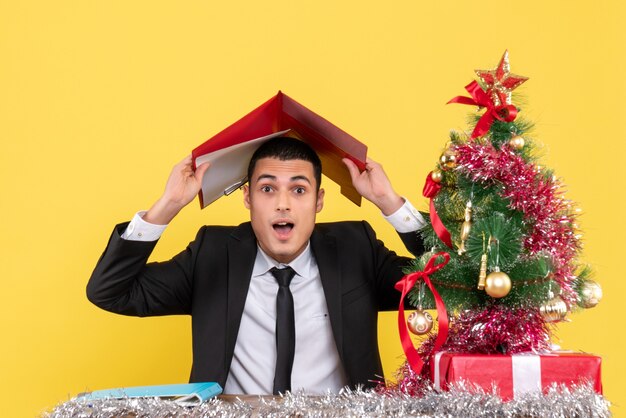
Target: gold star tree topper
{"type": "Point", "coordinates": [500, 82]}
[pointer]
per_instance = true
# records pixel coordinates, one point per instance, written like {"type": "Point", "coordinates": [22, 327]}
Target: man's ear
{"type": "Point", "coordinates": [246, 196]}
{"type": "Point", "coordinates": [320, 201]}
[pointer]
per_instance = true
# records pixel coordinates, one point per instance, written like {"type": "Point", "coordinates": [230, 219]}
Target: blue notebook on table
{"type": "Point", "coordinates": [188, 394]}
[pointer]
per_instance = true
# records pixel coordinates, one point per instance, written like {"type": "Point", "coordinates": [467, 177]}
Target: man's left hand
{"type": "Point", "coordinates": [374, 185]}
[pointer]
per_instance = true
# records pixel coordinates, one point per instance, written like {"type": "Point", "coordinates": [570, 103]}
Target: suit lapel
{"type": "Point", "coordinates": [241, 255]}
{"type": "Point", "coordinates": [324, 248]}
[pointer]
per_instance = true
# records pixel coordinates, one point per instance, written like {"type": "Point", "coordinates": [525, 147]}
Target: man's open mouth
{"type": "Point", "coordinates": [283, 228]}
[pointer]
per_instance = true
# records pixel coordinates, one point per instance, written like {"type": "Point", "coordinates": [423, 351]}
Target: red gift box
{"type": "Point", "coordinates": [515, 375]}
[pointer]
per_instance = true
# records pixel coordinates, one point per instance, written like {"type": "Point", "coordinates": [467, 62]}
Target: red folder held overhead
{"type": "Point", "coordinates": [230, 150]}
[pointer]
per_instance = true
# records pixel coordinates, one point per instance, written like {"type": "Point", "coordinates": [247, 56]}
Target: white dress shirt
{"type": "Point", "coordinates": [317, 367]}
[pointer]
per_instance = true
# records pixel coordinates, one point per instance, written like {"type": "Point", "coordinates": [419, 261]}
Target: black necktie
{"type": "Point", "coordinates": [285, 330]}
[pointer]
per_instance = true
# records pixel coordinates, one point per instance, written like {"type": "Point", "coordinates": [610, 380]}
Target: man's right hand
{"type": "Point", "coordinates": [182, 187]}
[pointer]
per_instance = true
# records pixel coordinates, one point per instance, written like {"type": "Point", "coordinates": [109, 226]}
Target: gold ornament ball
{"type": "Point", "coordinates": [448, 159]}
{"type": "Point", "coordinates": [554, 310]}
{"type": "Point", "coordinates": [591, 294]}
{"type": "Point", "coordinates": [420, 322]}
{"type": "Point", "coordinates": [436, 176]}
{"type": "Point", "coordinates": [517, 142]}
{"type": "Point", "coordinates": [497, 284]}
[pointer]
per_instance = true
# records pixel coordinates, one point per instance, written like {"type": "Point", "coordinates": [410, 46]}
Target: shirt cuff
{"type": "Point", "coordinates": [406, 219]}
{"type": "Point", "coordinates": [140, 230]}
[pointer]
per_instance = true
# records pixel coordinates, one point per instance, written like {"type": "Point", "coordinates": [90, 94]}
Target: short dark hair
{"type": "Point", "coordinates": [285, 148]}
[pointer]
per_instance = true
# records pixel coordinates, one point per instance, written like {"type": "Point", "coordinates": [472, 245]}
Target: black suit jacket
{"type": "Point", "coordinates": [209, 280]}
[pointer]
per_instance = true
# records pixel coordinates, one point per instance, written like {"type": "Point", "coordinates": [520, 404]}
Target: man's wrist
{"type": "Point", "coordinates": [390, 204]}
{"type": "Point", "coordinates": [162, 212]}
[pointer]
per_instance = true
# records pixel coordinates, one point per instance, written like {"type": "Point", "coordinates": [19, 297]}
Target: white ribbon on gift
{"type": "Point", "coordinates": [526, 373]}
{"type": "Point", "coordinates": [437, 376]}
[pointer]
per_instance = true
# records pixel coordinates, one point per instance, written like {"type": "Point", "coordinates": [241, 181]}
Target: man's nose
{"type": "Point", "coordinates": [283, 201]}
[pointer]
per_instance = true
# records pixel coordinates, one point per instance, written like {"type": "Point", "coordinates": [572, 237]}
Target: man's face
{"type": "Point", "coordinates": [283, 202]}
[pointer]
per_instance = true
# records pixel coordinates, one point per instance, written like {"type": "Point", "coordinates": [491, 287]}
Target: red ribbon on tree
{"type": "Point", "coordinates": [431, 188]}
{"type": "Point", "coordinates": [405, 285]}
{"type": "Point", "coordinates": [506, 113]}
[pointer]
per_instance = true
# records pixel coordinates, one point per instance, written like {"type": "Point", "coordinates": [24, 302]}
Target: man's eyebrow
{"type": "Point", "coordinates": [301, 177]}
{"type": "Point", "coordinates": [265, 176]}
{"type": "Point", "coordinates": [273, 178]}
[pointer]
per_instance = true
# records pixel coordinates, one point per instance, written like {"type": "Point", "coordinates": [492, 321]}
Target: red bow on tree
{"type": "Point", "coordinates": [405, 285]}
{"type": "Point", "coordinates": [504, 112]}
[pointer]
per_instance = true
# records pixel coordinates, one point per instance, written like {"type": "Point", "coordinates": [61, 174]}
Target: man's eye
{"type": "Point", "coordinates": [266, 189]}
{"type": "Point", "coordinates": [300, 190]}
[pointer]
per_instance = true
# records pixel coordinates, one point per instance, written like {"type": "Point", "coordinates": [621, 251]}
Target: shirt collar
{"type": "Point", "coordinates": [301, 264]}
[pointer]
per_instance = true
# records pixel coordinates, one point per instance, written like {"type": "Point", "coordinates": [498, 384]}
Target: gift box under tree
{"type": "Point", "coordinates": [513, 376]}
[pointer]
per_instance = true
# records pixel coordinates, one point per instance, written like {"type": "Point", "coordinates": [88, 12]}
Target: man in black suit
{"type": "Point", "coordinates": [341, 276]}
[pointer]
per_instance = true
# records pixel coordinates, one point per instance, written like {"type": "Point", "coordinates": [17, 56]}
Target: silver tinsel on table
{"type": "Point", "coordinates": [461, 401]}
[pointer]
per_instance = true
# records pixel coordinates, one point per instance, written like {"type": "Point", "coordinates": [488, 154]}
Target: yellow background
{"type": "Point", "coordinates": [98, 99]}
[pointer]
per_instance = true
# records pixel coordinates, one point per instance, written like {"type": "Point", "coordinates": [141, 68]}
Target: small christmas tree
{"type": "Point", "coordinates": [504, 239]}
